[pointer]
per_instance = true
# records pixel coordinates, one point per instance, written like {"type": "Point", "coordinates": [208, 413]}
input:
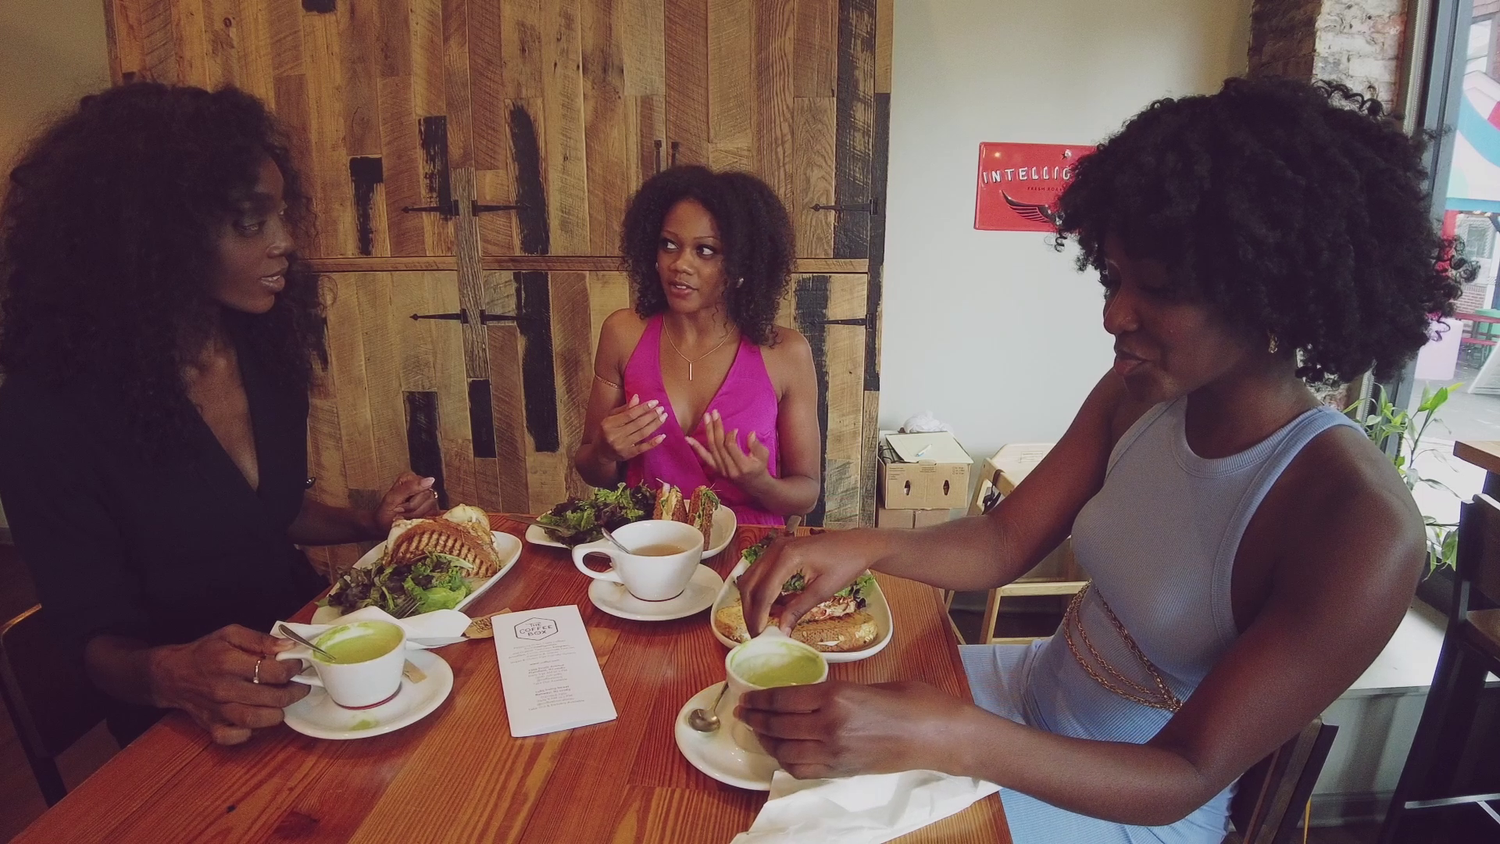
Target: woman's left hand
{"type": "Point", "coordinates": [720, 453]}
{"type": "Point", "coordinates": [410, 497]}
{"type": "Point", "coordinates": [838, 729]}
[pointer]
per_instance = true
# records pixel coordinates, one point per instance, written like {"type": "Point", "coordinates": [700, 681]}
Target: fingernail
{"type": "Point", "coordinates": [427, 482]}
{"type": "Point", "coordinates": [652, 403]}
{"type": "Point", "coordinates": [661, 437]}
{"type": "Point", "coordinates": [716, 415]}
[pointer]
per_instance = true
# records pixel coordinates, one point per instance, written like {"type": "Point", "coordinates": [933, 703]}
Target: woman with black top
{"type": "Point", "coordinates": [157, 344]}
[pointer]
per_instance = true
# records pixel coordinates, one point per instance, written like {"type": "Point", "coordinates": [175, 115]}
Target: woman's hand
{"type": "Point", "coordinates": [213, 680]}
{"type": "Point", "coordinates": [410, 497]}
{"type": "Point", "coordinates": [626, 433]}
{"type": "Point", "coordinates": [838, 729]}
{"type": "Point", "coordinates": [720, 453]}
{"type": "Point", "coordinates": [828, 562]}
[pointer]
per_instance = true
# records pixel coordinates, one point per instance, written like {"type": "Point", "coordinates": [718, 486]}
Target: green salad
{"type": "Point", "coordinates": [580, 519]}
{"type": "Point", "coordinates": [433, 582]}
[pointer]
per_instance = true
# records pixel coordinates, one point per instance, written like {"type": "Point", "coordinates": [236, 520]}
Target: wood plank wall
{"type": "Point", "coordinates": [470, 161]}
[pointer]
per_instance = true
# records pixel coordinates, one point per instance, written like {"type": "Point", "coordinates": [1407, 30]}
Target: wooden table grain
{"type": "Point", "coordinates": [458, 775]}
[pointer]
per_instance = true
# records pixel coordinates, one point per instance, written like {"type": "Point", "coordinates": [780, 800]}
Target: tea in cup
{"type": "Point", "coordinates": [663, 556]}
{"type": "Point", "coordinates": [363, 666]}
{"type": "Point", "coordinates": [769, 660]}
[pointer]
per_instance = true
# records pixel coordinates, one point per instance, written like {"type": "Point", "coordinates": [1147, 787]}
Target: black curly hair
{"type": "Point", "coordinates": [753, 226]}
{"type": "Point", "coordinates": [1294, 209]}
{"type": "Point", "coordinates": [108, 242]}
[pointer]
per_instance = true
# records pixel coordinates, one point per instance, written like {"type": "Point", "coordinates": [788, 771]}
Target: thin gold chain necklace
{"type": "Point", "coordinates": [691, 361]}
{"type": "Point", "coordinates": [1161, 697]}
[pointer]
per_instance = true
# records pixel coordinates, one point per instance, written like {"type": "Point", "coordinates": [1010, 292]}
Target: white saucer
{"type": "Point", "coordinates": [318, 716]}
{"type": "Point", "coordinates": [716, 754]}
{"type": "Point", "coordinates": [725, 525]}
{"type": "Point", "coordinates": [697, 597]}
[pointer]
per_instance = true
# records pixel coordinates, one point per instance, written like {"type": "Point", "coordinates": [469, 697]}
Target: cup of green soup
{"type": "Point", "coordinates": [363, 666]}
{"type": "Point", "coordinates": [769, 660]}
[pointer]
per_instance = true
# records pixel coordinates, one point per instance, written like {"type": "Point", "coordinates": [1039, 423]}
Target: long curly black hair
{"type": "Point", "coordinates": [1295, 210]}
{"type": "Point", "coordinates": [107, 246]}
{"type": "Point", "coordinates": [753, 226]}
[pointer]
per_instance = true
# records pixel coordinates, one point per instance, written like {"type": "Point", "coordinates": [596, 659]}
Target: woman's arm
{"type": "Point", "coordinates": [410, 497]}
{"type": "Point", "coordinates": [1344, 577]}
{"type": "Point", "coordinates": [972, 553]}
{"type": "Point", "coordinates": [615, 429]}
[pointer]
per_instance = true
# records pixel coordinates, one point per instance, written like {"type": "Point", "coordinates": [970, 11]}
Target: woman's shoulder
{"type": "Point", "coordinates": [618, 337]}
{"type": "Point", "coordinates": [787, 343]}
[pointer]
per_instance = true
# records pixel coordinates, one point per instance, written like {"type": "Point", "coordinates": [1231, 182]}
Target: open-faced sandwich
{"type": "Point", "coordinates": [837, 625]}
{"type": "Point", "coordinates": [578, 520]}
{"type": "Point", "coordinates": [428, 564]}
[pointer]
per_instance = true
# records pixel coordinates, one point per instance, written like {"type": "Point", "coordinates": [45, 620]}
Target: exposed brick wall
{"type": "Point", "coordinates": [1473, 298]}
{"type": "Point", "coordinates": [1356, 42]}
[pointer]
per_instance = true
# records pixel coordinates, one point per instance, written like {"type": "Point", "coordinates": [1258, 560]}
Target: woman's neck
{"type": "Point", "coordinates": [1235, 413]}
{"type": "Point", "coordinates": [704, 327]}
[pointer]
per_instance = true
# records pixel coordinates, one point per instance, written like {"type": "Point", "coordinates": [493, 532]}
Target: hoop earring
{"type": "Point", "coordinates": [1275, 344]}
{"type": "Point", "coordinates": [739, 282]}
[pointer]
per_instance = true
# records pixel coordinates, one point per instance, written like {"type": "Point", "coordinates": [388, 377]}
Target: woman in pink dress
{"type": "Point", "coordinates": [697, 386]}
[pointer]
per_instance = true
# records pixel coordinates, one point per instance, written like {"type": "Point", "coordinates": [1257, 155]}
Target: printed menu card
{"type": "Point", "coordinates": [549, 673]}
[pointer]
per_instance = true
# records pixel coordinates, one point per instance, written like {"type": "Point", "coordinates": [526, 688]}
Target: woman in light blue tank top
{"type": "Point", "coordinates": [1251, 551]}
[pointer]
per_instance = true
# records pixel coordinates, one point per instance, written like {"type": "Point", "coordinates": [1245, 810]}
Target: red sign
{"type": "Point", "coordinates": [1018, 185]}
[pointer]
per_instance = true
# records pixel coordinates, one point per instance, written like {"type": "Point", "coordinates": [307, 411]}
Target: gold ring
{"type": "Point", "coordinates": [256, 678]}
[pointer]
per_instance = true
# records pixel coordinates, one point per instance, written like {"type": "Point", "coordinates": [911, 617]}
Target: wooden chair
{"type": "Point", "coordinates": [1269, 801]}
{"type": "Point", "coordinates": [50, 702]}
{"type": "Point", "coordinates": [1471, 649]}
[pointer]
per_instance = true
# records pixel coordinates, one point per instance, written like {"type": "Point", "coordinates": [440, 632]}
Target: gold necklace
{"type": "Point", "coordinates": [691, 361]}
{"type": "Point", "coordinates": [1160, 697]}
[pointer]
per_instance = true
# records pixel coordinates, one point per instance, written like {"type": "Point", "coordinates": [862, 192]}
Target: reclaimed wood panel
{"type": "Point", "coordinates": [687, 112]}
{"type": "Point", "coordinates": [417, 121]}
{"type": "Point", "coordinates": [458, 774]}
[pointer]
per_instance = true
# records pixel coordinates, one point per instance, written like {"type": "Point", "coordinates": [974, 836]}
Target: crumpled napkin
{"type": "Point", "coordinates": [423, 632]}
{"type": "Point", "coordinates": [925, 423]}
{"type": "Point", "coordinates": [865, 809]}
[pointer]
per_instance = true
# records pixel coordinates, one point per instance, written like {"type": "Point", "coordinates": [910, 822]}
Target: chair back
{"type": "Point", "coordinates": [1478, 556]}
{"type": "Point", "coordinates": [1269, 801]}
{"type": "Point", "coordinates": [50, 701]}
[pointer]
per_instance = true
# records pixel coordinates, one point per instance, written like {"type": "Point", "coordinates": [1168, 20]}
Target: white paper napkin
{"type": "Point", "coordinates": [865, 809]}
{"type": "Point", "coordinates": [427, 630]}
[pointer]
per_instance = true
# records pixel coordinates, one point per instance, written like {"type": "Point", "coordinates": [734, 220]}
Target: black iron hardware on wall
{"type": "Point", "coordinates": [871, 207]}
{"type": "Point", "coordinates": [450, 209]}
{"type": "Point", "coordinates": [484, 318]}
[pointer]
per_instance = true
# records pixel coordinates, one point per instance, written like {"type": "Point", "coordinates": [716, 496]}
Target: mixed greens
{"type": "Point", "coordinates": [433, 582]}
{"type": "Point", "coordinates": [579, 519]}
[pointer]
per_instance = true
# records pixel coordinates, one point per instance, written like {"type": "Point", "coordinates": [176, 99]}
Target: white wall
{"type": "Point", "coordinates": [995, 332]}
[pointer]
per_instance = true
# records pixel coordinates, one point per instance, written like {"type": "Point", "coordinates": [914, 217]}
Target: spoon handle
{"type": "Point", "coordinates": [292, 634]}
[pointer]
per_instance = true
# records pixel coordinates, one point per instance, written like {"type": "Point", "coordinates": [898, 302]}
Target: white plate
{"type": "Point", "coordinates": [725, 525]}
{"type": "Point", "coordinates": [715, 753]}
{"type": "Point", "coordinates": [698, 596]}
{"type": "Point", "coordinates": [318, 716]}
{"type": "Point", "coordinates": [506, 545]}
{"type": "Point", "coordinates": [875, 605]}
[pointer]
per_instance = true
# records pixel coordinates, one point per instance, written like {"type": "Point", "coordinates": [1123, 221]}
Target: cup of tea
{"type": "Point", "coordinates": [769, 660]}
{"type": "Point", "coordinates": [363, 665]}
{"type": "Point", "coordinates": [663, 556]}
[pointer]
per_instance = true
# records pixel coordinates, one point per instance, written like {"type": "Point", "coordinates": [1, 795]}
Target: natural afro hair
{"type": "Point", "coordinates": [753, 227]}
{"type": "Point", "coordinates": [108, 244]}
{"type": "Point", "coordinates": [1293, 209]}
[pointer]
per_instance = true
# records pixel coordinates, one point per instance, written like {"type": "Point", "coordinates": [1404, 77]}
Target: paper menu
{"type": "Point", "coordinates": [549, 673]}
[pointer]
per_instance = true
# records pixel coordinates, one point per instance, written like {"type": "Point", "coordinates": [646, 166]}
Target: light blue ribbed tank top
{"type": "Point", "coordinates": [1159, 542]}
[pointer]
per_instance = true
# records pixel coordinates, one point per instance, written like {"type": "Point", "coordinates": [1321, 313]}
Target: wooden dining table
{"type": "Point", "coordinates": [458, 775]}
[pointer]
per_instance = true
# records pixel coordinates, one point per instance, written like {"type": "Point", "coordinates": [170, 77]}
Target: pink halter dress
{"type": "Point", "coordinates": [746, 401]}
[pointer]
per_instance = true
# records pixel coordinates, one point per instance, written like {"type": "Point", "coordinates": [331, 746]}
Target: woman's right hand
{"type": "Point", "coordinates": [828, 562]}
{"type": "Point", "coordinates": [213, 681]}
{"type": "Point", "coordinates": [626, 433]}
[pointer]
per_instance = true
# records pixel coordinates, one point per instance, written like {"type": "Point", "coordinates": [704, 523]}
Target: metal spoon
{"type": "Point", "coordinates": [292, 634]}
{"type": "Point", "coordinates": [611, 538]}
{"type": "Point", "coordinates": [707, 720]}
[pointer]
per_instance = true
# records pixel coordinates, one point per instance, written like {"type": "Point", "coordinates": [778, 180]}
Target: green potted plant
{"type": "Point", "coordinates": [1399, 434]}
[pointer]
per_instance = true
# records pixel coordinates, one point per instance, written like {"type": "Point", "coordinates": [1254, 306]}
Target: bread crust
{"type": "Point", "coordinates": [853, 632]}
{"type": "Point", "coordinates": [445, 537]}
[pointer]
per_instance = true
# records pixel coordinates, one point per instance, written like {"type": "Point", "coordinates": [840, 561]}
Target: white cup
{"type": "Point", "coordinates": [649, 576]}
{"type": "Point", "coordinates": [769, 660]}
{"type": "Point", "coordinates": [369, 679]}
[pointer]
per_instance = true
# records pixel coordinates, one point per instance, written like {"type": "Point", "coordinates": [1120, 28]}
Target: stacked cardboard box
{"type": "Point", "coordinates": [923, 477]}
